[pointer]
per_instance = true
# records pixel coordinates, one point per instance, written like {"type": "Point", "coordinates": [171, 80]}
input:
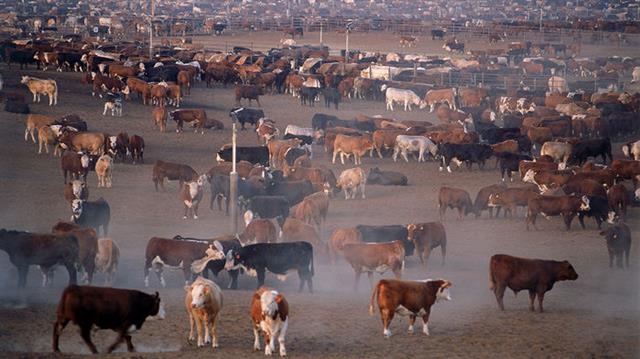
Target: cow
{"type": "Point", "coordinates": [91, 142]}
{"type": "Point", "coordinates": [191, 194]}
{"type": "Point", "coordinates": [159, 115]}
{"type": "Point", "coordinates": [351, 145]}
{"type": "Point", "coordinates": [450, 197]}
{"type": "Point", "coordinates": [278, 258]}
{"type": "Point", "coordinates": [584, 149]}
{"type": "Point", "coordinates": [535, 275]}
{"type": "Point", "coordinates": [35, 122]}
{"type": "Point", "coordinates": [465, 152]}
{"type": "Point", "coordinates": [619, 199]}
{"type": "Point", "coordinates": [94, 214]}
{"type": "Point", "coordinates": [625, 169]}
{"type": "Point", "coordinates": [427, 236]}
{"type": "Point", "coordinates": [269, 207]}
{"type": "Point", "coordinates": [308, 95]}
{"type": "Point", "coordinates": [39, 86]}
{"type": "Point", "coordinates": [510, 162]}
{"type": "Point", "coordinates": [515, 105]}
{"type": "Point", "coordinates": [446, 115]}
{"type": "Point", "coordinates": [339, 238]}
{"type": "Point", "coordinates": [46, 136]}
{"type": "Point", "coordinates": [203, 302]}
{"type": "Point", "coordinates": [618, 238]}
{"type": "Point", "coordinates": [481, 202]}
{"type": "Point", "coordinates": [599, 209]}
{"type": "Point", "coordinates": [136, 148]}
{"type": "Point", "coordinates": [293, 191]}
{"type": "Point", "coordinates": [408, 41]}
{"type": "Point", "coordinates": [46, 250]}
{"type": "Point", "coordinates": [630, 150]}
{"type": "Point", "coordinates": [104, 170]}
{"type": "Point", "coordinates": [378, 257]}
{"type": "Point", "coordinates": [538, 165]}
{"type": "Point", "coordinates": [386, 178]}
{"type": "Point", "coordinates": [437, 34]}
{"type": "Point", "coordinates": [197, 116]}
{"type": "Point", "coordinates": [269, 313]}
{"type": "Point", "coordinates": [87, 239]}
{"type": "Point", "coordinates": [250, 92]}
{"type": "Point", "coordinates": [511, 198]}
{"type": "Point", "coordinates": [403, 96]}
{"type": "Point", "coordinates": [350, 180]}
{"type": "Point", "coordinates": [559, 151]}
{"type": "Point", "coordinates": [172, 172]}
{"type": "Point", "coordinates": [294, 230]}
{"type": "Point", "coordinates": [245, 115]}
{"type": "Point", "coordinates": [332, 96]}
{"type": "Point", "coordinates": [314, 208]}
{"type": "Point", "coordinates": [410, 298]}
{"type": "Point", "coordinates": [565, 206]}
{"type": "Point", "coordinates": [252, 154]}
{"type": "Point", "coordinates": [418, 144]}
{"type": "Point", "coordinates": [105, 308]}
{"type": "Point", "coordinates": [107, 259]}
{"type": "Point", "coordinates": [75, 189]}
{"type": "Point", "coordinates": [433, 97]}
{"type": "Point", "coordinates": [386, 233]}
{"type": "Point", "coordinates": [75, 165]}
{"type": "Point", "coordinates": [259, 230]}
{"type": "Point", "coordinates": [266, 130]}
{"type": "Point", "coordinates": [179, 253]}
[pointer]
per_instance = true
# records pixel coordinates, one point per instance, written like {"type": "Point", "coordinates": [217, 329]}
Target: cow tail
{"type": "Point", "coordinates": [311, 264]}
{"type": "Point", "coordinates": [492, 282]}
{"type": "Point", "coordinates": [373, 296]}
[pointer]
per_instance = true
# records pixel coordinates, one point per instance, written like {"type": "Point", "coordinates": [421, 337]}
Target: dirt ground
{"type": "Point", "coordinates": [596, 316]}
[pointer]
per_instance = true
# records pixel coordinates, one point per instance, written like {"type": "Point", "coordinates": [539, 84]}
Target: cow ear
{"type": "Point", "coordinates": [157, 295]}
{"type": "Point", "coordinates": [218, 246]}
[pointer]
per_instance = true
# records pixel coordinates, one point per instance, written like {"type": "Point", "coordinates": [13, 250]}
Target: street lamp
{"type": "Point", "coordinates": [233, 177]}
{"type": "Point", "coordinates": [346, 46]}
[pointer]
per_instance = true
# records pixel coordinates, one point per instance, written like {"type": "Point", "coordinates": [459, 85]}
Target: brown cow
{"type": "Point", "coordinates": [314, 208]}
{"type": "Point", "coordinates": [625, 169]}
{"type": "Point", "coordinates": [565, 206]}
{"type": "Point", "coordinates": [107, 259]}
{"type": "Point", "coordinates": [184, 81]}
{"type": "Point", "coordinates": [619, 199]}
{"type": "Point", "coordinates": [539, 165]}
{"type": "Point", "coordinates": [91, 142]}
{"type": "Point", "coordinates": [294, 230]}
{"type": "Point", "coordinates": [87, 247]}
{"type": "Point", "coordinates": [427, 236]}
{"type": "Point", "coordinates": [378, 257]}
{"type": "Point", "coordinates": [448, 96]}
{"type": "Point", "coordinates": [448, 115]}
{"type": "Point", "coordinates": [104, 308]}
{"type": "Point", "coordinates": [482, 198]}
{"type": "Point", "coordinates": [535, 275]}
{"type": "Point", "coordinates": [250, 92]}
{"type": "Point", "coordinates": [259, 230]}
{"type": "Point", "coordinates": [385, 139]}
{"type": "Point", "coordinates": [618, 239]}
{"type": "Point", "coordinates": [191, 194]}
{"type": "Point", "coordinates": [510, 198]}
{"type": "Point", "coordinates": [198, 116]}
{"type": "Point", "coordinates": [339, 238]}
{"type": "Point", "coordinates": [411, 298]}
{"type": "Point", "coordinates": [159, 93]}
{"type": "Point", "coordinates": [34, 122]}
{"type": "Point", "coordinates": [38, 86]}
{"type": "Point", "coordinates": [454, 198]}
{"type": "Point", "coordinates": [351, 145]}
{"type": "Point", "coordinates": [172, 172]}
{"type": "Point", "coordinates": [75, 165]}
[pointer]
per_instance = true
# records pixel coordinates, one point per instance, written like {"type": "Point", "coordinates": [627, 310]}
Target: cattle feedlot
{"type": "Point", "coordinates": [596, 315]}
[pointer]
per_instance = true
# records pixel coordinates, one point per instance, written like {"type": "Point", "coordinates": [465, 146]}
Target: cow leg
{"type": "Point", "coordinates": [256, 338]}
{"type": "Point", "coordinates": [22, 276]}
{"type": "Point", "coordinates": [355, 285]}
{"type": "Point", "coordinates": [540, 299]}
{"type": "Point", "coordinates": [58, 326]}
{"type": "Point", "coordinates": [281, 337]}
{"type": "Point", "coordinates": [425, 322]}
{"type": "Point", "coordinates": [192, 324]}
{"type": "Point", "coordinates": [261, 276]}
{"type": "Point", "coordinates": [532, 297]}
{"type": "Point", "coordinates": [85, 333]}
{"type": "Point", "coordinates": [201, 328]}
{"type": "Point", "coordinates": [567, 220]}
{"type": "Point", "coordinates": [71, 269]}
{"type": "Point", "coordinates": [121, 337]}
{"type": "Point", "coordinates": [387, 316]}
{"type": "Point", "coordinates": [498, 291]}
{"type": "Point", "coordinates": [412, 320]}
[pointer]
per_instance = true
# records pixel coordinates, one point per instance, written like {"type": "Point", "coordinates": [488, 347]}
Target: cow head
{"type": "Point", "coordinates": [566, 271]}
{"type": "Point", "coordinates": [77, 187]}
{"type": "Point", "coordinates": [584, 203]}
{"type": "Point", "coordinates": [157, 309]}
{"type": "Point", "coordinates": [200, 291]}
{"type": "Point", "coordinates": [232, 260]}
{"type": "Point", "coordinates": [529, 177]}
{"type": "Point", "coordinates": [76, 209]}
{"type": "Point", "coordinates": [494, 200]}
{"type": "Point", "coordinates": [269, 300]}
{"type": "Point", "coordinates": [411, 231]}
{"type": "Point", "coordinates": [441, 288]}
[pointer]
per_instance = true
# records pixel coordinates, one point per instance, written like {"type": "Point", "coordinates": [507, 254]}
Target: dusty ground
{"type": "Point", "coordinates": [596, 316]}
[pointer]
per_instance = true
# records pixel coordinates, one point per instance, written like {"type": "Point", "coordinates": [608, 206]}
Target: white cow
{"type": "Point", "coordinates": [632, 150]}
{"type": "Point", "coordinates": [557, 84]}
{"type": "Point", "coordinates": [203, 302]}
{"type": "Point", "coordinates": [103, 170]}
{"type": "Point", "coordinates": [406, 97]}
{"type": "Point", "coordinates": [635, 74]}
{"type": "Point", "coordinates": [418, 144]}
{"type": "Point", "coordinates": [107, 259]}
{"type": "Point", "coordinates": [350, 180]}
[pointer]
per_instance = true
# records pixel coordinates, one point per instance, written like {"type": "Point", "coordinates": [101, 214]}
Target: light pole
{"type": "Point", "coordinates": [233, 178]}
{"type": "Point", "coordinates": [346, 46]}
{"type": "Point", "coordinates": [153, 11]}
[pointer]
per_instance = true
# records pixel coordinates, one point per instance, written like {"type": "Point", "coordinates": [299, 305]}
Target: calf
{"type": "Point", "coordinates": [411, 298]}
{"type": "Point", "coordinates": [107, 259]}
{"type": "Point", "coordinates": [105, 308]}
{"type": "Point", "coordinates": [76, 189]}
{"type": "Point", "coordinates": [104, 170]}
{"type": "Point", "coordinates": [94, 214]}
{"type": "Point", "coordinates": [378, 257]}
{"type": "Point", "coordinates": [278, 258]}
{"type": "Point", "coordinates": [351, 145]}
{"type": "Point", "coordinates": [191, 195]}
{"type": "Point", "coordinates": [245, 115]}
{"type": "Point", "coordinates": [449, 197]}
{"type": "Point", "coordinates": [510, 199]}
{"type": "Point", "coordinates": [618, 239]}
{"type": "Point", "coordinates": [535, 275]}
{"type": "Point", "coordinates": [269, 313]}
{"type": "Point", "coordinates": [482, 198]}
{"type": "Point", "coordinates": [418, 144]}
{"type": "Point", "coordinates": [75, 165]}
{"type": "Point", "coordinates": [203, 302]}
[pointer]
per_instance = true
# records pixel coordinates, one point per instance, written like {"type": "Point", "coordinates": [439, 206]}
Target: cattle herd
{"type": "Point", "coordinates": [573, 150]}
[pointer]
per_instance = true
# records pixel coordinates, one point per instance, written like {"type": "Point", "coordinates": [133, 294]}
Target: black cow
{"type": "Point", "coordinates": [618, 239]}
{"type": "Point", "coordinates": [584, 149]}
{"type": "Point", "coordinates": [72, 120]}
{"type": "Point", "coordinates": [465, 152]}
{"type": "Point", "coordinates": [306, 140]}
{"type": "Point", "coordinates": [388, 233]}
{"type": "Point", "coordinates": [293, 153]}
{"type": "Point", "coordinates": [220, 190]}
{"type": "Point", "coordinates": [162, 73]}
{"type": "Point", "coordinates": [366, 126]}
{"type": "Point", "coordinates": [331, 95]}
{"type": "Point", "coordinates": [386, 178]}
{"type": "Point", "coordinates": [104, 308]}
{"type": "Point", "coordinates": [454, 47]}
{"type": "Point", "coordinates": [278, 258]}
{"type": "Point", "coordinates": [509, 162]}
{"type": "Point", "coordinates": [253, 154]}
{"type": "Point", "coordinates": [70, 60]}
{"type": "Point", "coordinates": [219, 27]}
{"type": "Point", "coordinates": [599, 209]}
{"type": "Point", "coordinates": [269, 207]}
{"type": "Point", "coordinates": [22, 56]}
{"type": "Point", "coordinates": [437, 34]}
{"type": "Point", "coordinates": [308, 95]}
{"type": "Point", "coordinates": [493, 134]}
{"type": "Point", "coordinates": [319, 121]}
{"type": "Point", "coordinates": [246, 115]}
{"type": "Point", "coordinates": [226, 243]}
{"type": "Point", "coordinates": [94, 214]}
{"type": "Point", "coordinates": [293, 191]}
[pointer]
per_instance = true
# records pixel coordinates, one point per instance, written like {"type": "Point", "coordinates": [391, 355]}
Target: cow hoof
{"type": "Point", "coordinates": [184, 217]}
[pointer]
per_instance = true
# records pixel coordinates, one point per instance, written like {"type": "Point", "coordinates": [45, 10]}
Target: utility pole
{"type": "Point", "coordinates": [153, 12]}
